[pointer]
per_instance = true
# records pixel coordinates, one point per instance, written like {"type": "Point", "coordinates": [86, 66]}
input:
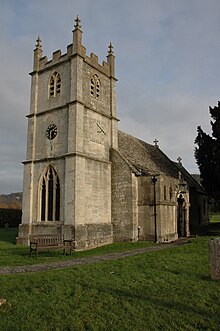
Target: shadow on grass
{"type": "Point", "coordinates": [211, 229]}
{"type": "Point", "coordinates": [169, 304]}
{"type": "Point", "coordinates": [9, 235]}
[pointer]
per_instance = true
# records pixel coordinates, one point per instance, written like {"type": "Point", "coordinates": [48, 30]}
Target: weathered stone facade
{"type": "Point", "coordinates": [86, 127]}
{"type": "Point", "coordinates": [82, 177]}
{"type": "Point", "coordinates": [136, 210]}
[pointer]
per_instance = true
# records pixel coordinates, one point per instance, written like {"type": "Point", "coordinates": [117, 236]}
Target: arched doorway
{"type": "Point", "coordinates": [181, 217]}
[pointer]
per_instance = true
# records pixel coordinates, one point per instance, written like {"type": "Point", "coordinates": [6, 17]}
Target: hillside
{"type": "Point", "coordinates": [11, 201]}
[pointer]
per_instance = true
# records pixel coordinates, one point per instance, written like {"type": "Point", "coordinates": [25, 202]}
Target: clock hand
{"type": "Point", "coordinates": [101, 129]}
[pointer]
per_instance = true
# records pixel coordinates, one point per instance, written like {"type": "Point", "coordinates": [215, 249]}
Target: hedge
{"type": "Point", "coordinates": [10, 218]}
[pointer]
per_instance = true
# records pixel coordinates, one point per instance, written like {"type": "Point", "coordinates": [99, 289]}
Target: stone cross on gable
{"type": "Point", "coordinates": [156, 142]}
{"type": "Point", "coordinates": [179, 159]}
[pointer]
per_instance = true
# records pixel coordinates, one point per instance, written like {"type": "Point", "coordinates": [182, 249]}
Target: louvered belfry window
{"type": "Point", "coordinates": [95, 87]}
{"type": "Point", "coordinates": [55, 85]}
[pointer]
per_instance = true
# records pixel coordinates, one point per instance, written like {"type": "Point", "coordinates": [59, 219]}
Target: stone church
{"type": "Point", "coordinates": [85, 179]}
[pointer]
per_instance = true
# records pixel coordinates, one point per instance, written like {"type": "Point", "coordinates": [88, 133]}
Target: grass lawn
{"type": "Point", "coordinates": [13, 255]}
{"type": "Point", "coordinates": [163, 290]}
{"type": "Point", "coordinates": [215, 217]}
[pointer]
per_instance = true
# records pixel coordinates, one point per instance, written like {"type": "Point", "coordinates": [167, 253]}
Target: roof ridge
{"type": "Point", "coordinates": [139, 139]}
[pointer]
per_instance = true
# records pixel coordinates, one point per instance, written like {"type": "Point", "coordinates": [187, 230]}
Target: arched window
{"type": "Point", "coordinates": [55, 85]}
{"type": "Point", "coordinates": [171, 193]}
{"type": "Point", "coordinates": [52, 88]}
{"type": "Point", "coordinates": [95, 87]}
{"type": "Point", "coordinates": [92, 87]}
{"type": "Point", "coordinates": [165, 192]}
{"type": "Point", "coordinates": [49, 196]}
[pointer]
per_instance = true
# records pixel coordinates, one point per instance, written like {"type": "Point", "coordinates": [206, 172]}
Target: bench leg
{"type": "Point", "coordinates": [67, 248]}
{"type": "Point", "coordinates": [33, 249]}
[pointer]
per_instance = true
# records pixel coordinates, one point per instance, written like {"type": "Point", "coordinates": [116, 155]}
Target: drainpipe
{"type": "Point", "coordinates": [154, 180]}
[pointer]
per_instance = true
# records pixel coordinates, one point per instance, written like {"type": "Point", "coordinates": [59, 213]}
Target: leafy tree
{"type": "Point", "coordinates": [207, 154]}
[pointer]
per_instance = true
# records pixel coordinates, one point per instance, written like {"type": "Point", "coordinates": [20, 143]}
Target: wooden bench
{"type": "Point", "coordinates": [47, 242]}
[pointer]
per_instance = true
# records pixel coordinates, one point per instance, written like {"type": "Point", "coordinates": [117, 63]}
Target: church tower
{"type": "Point", "coordinates": [71, 127]}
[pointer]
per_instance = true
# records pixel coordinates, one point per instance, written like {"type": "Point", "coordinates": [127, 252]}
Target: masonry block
{"type": "Point", "coordinates": [214, 258]}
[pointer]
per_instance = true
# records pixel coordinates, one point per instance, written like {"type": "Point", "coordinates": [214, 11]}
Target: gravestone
{"type": "Point", "coordinates": [214, 258]}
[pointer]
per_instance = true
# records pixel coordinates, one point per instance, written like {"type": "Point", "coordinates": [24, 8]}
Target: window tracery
{"type": "Point", "coordinates": [55, 85]}
{"type": "Point", "coordinates": [95, 87]}
{"type": "Point", "coordinates": [49, 196]}
{"type": "Point", "coordinates": [171, 193]}
{"type": "Point", "coordinates": [165, 192]}
{"type": "Point", "coordinates": [92, 86]}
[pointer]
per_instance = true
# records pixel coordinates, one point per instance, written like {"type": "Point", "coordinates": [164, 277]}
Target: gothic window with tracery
{"type": "Point", "coordinates": [49, 196]}
{"type": "Point", "coordinates": [95, 87]}
{"type": "Point", "coordinates": [55, 85]}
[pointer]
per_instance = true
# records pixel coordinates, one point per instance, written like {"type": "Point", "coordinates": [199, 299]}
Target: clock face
{"type": "Point", "coordinates": [51, 131]}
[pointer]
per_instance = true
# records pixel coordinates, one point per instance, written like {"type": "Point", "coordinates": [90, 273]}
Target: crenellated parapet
{"type": "Point", "coordinates": [73, 50]}
{"type": "Point", "coordinates": [93, 61]}
{"type": "Point", "coordinates": [57, 59]}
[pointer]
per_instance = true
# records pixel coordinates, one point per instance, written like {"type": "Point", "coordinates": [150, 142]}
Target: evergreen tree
{"type": "Point", "coordinates": [207, 154]}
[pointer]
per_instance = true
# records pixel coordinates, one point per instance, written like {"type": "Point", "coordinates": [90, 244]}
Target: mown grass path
{"type": "Point", "coordinates": [89, 260]}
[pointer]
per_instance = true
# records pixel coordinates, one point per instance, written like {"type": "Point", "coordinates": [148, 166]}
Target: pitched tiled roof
{"type": "Point", "coordinates": [145, 157]}
{"type": "Point", "coordinates": [149, 159]}
{"type": "Point", "coordinates": [197, 177]}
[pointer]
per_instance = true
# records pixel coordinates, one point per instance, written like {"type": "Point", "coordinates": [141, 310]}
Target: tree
{"type": "Point", "coordinates": [207, 154]}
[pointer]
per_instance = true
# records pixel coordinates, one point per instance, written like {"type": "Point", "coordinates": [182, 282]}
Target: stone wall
{"type": "Point", "coordinates": [92, 235]}
{"type": "Point", "coordinates": [145, 208]}
{"type": "Point", "coordinates": [167, 222]}
{"type": "Point", "coordinates": [122, 199]}
{"type": "Point", "coordinates": [46, 103]}
{"type": "Point", "coordinates": [166, 209]}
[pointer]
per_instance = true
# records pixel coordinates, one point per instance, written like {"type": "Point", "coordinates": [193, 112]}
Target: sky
{"type": "Point", "coordinates": [167, 65]}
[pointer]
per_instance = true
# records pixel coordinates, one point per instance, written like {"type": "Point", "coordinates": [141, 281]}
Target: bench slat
{"type": "Point", "coordinates": [43, 242]}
